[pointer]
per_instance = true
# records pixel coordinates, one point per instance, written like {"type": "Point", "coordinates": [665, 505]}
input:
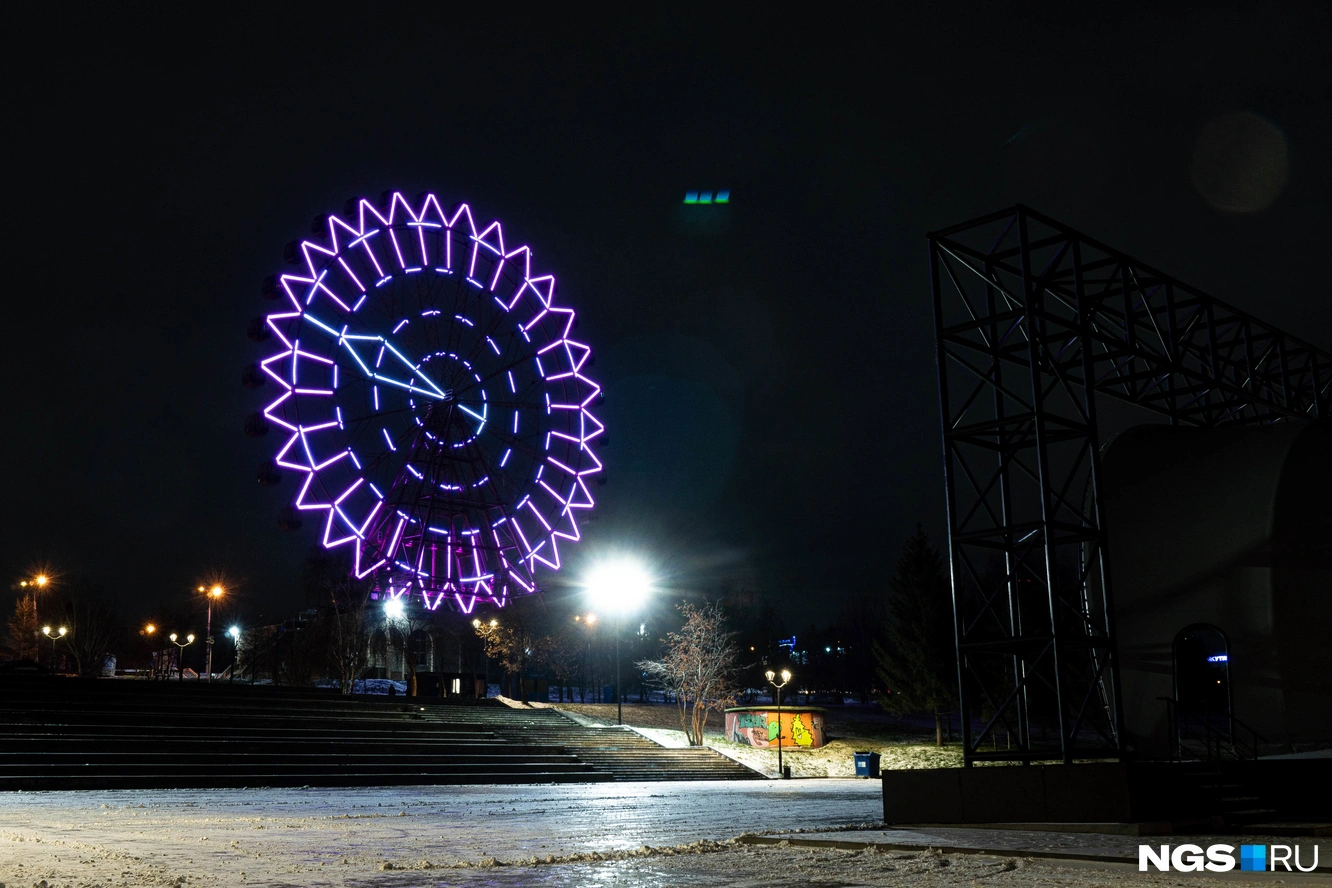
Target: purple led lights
{"type": "Point", "coordinates": [434, 406]}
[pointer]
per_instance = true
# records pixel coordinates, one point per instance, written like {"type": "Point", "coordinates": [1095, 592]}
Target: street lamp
{"type": "Point", "coordinates": [216, 592]}
{"type": "Point", "coordinates": [618, 586]}
{"type": "Point", "coordinates": [36, 583]}
{"type": "Point", "coordinates": [772, 680]}
{"type": "Point", "coordinates": [54, 636]}
{"type": "Point", "coordinates": [149, 630]}
{"type": "Point", "coordinates": [234, 632]}
{"type": "Point", "coordinates": [180, 664]}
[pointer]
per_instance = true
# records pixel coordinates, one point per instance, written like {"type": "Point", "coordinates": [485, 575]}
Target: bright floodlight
{"type": "Point", "coordinates": [393, 608]}
{"type": "Point", "coordinates": [618, 586]}
{"type": "Point", "coordinates": [234, 632]}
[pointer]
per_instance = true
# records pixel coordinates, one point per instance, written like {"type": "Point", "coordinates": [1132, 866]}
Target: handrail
{"type": "Point", "coordinates": [1184, 726]}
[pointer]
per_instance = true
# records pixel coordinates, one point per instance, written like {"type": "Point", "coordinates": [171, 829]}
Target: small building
{"type": "Point", "coordinates": [801, 727]}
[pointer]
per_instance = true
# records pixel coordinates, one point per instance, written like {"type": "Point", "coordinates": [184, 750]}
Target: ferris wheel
{"type": "Point", "coordinates": [430, 401]}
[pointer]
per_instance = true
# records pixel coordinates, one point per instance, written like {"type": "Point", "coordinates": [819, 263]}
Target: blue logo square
{"type": "Point", "coordinates": [1253, 858]}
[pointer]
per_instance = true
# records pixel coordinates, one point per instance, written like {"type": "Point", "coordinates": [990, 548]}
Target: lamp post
{"type": "Point", "coordinates": [148, 632]}
{"type": "Point", "coordinates": [772, 680]}
{"type": "Point", "coordinates": [180, 664]}
{"type": "Point", "coordinates": [619, 586]}
{"type": "Point", "coordinates": [483, 631]}
{"type": "Point", "coordinates": [589, 621]}
{"type": "Point", "coordinates": [34, 585]}
{"type": "Point", "coordinates": [54, 636]}
{"type": "Point", "coordinates": [215, 592]}
{"type": "Point", "coordinates": [234, 632]}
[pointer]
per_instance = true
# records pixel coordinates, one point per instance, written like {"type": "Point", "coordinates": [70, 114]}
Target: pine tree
{"type": "Point", "coordinates": [23, 628]}
{"type": "Point", "coordinates": [918, 666]}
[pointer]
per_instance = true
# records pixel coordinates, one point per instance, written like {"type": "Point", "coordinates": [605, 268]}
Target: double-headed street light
{"type": "Point", "coordinates": [215, 592]}
{"type": "Point", "coordinates": [772, 680]}
{"type": "Point", "coordinates": [180, 664]}
{"type": "Point", "coordinates": [619, 587]}
{"type": "Point", "coordinates": [54, 636]}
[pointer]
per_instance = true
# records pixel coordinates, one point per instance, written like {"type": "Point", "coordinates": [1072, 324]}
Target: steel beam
{"type": "Point", "coordinates": [1033, 321]}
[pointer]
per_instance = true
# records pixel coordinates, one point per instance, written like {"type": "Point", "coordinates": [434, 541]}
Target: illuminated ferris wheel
{"type": "Point", "coordinates": [430, 401]}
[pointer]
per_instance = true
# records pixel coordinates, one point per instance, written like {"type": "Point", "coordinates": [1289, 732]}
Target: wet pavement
{"type": "Point", "coordinates": [551, 835]}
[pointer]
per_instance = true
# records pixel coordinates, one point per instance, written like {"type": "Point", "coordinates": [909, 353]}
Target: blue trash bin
{"type": "Point", "coordinates": [867, 764]}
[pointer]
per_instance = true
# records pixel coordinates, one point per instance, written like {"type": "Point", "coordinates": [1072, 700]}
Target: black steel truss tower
{"type": "Point", "coordinates": [1033, 322]}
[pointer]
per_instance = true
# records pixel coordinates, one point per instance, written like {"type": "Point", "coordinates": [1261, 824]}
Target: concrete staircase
{"type": "Point", "coordinates": [61, 733]}
{"type": "Point", "coordinates": [619, 751]}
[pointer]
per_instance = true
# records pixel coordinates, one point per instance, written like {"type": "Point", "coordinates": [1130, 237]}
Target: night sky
{"type": "Point", "coordinates": [768, 365]}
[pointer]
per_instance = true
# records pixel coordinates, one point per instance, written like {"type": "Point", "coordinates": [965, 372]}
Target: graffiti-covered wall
{"type": "Point", "coordinates": [800, 726]}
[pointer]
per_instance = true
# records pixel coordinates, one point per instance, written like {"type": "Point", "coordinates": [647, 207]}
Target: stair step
{"type": "Point", "coordinates": [80, 734]}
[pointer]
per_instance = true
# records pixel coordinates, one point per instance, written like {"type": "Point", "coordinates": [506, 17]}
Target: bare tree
{"type": "Point", "coordinates": [345, 630]}
{"type": "Point", "coordinates": [23, 628]}
{"type": "Point", "coordinates": [510, 643]}
{"type": "Point", "coordinates": [699, 666]}
{"type": "Point", "coordinates": [409, 636]}
{"type": "Point", "coordinates": [562, 653]}
{"type": "Point", "coordinates": [94, 626]}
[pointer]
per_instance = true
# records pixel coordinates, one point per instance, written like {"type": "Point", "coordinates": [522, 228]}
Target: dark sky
{"type": "Point", "coordinates": [769, 369]}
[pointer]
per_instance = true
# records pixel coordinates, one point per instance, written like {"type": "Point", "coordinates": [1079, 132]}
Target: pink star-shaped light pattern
{"type": "Point", "coordinates": [433, 404]}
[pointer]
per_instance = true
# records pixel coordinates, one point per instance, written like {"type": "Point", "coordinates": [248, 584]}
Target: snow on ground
{"type": "Point", "coordinates": [851, 728]}
{"type": "Point", "coordinates": [652, 835]}
{"type": "Point", "coordinates": [277, 836]}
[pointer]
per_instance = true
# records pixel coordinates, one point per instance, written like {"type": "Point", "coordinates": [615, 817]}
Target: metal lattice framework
{"type": "Point", "coordinates": [432, 401]}
{"type": "Point", "coordinates": [1033, 321]}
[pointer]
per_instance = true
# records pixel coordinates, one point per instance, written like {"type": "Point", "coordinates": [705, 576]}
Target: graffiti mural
{"type": "Point", "coordinates": [799, 727]}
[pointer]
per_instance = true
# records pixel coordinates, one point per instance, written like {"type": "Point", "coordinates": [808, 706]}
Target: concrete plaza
{"type": "Point", "coordinates": [640, 834]}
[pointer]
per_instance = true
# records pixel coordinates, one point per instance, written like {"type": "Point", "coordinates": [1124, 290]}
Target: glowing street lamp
{"type": "Point", "coordinates": [54, 636]}
{"type": "Point", "coordinates": [619, 586]}
{"type": "Point", "coordinates": [393, 609]}
{"type": "Point", "coordinates": [180, 663]}
{"type": "Point", "coordinates": [35, 584]}
{"type": "Point", "coordinates": [149, 630]}
{"type": "Point", "coordinates": [234, 632]}
{"type": "Point", "coordinates": [215, 592]}
{"type": "Point", "coordinates": [772, 680]}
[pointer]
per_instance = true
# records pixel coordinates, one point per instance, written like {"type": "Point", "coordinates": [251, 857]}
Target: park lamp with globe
{"type": "Point", "coordinates": [180, 663]}
{"type": "Point", "coordinates": [772, 680]}
{"type": "Point", "coordinates": [619, 587]}
{"type": "Point", "coordinates": [55, 635]}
